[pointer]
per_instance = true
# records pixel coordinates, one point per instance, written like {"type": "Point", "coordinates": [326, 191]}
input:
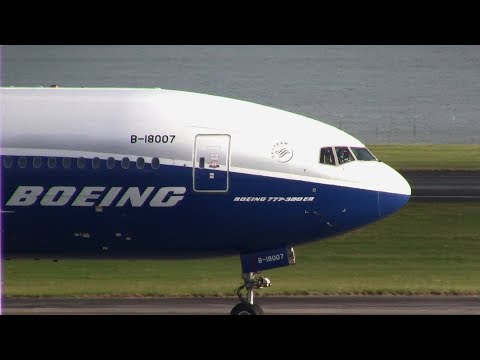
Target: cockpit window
{"type": "Point", "coordinates": [363, 154]}
{"type": "Point", "coordinates": [344, 155]}
{"type": "Point", "coordinates": [326, 156]}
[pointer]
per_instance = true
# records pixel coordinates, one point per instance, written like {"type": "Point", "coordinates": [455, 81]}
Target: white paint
{"type": "Point", "coordinates": [87, 194]}
{"type": "Point", "coordinates": [110, 196]}
{"type": "Point", "coordinates": [133, 194]}
{"type": "Point", "coordinates": [25, 196]}
{"type": "Point", "coordinates": [65, 192]}
{"type": "Point", "coordinates": [158, 199]}
{"type": "Point", "coordinates": [99, 122]}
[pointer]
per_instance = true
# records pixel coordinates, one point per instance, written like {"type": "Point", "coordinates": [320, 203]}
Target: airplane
{"type": "Point", "coordinates": [156, 172]}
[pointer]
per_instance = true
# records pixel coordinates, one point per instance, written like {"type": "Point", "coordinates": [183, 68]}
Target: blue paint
{"type": "Point", "coordinates": [211, 223]}
{"type": "Point", "coordinates": [264, 260]}
{"type": "Point", "coordinates": [389, 203]}
{"type": "Point", "coordinates": [211, 180]}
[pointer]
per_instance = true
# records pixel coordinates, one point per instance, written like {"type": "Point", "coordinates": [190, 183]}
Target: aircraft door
{"type": "Point", "coordinates": [211, 163]}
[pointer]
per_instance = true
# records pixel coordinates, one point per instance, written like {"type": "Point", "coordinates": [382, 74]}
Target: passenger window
{"type": "Point", "coordinates": [344, 155]}
{"type": "Point", "coordinates": [37, 162]}
{"type": "Point", "coordinates": [7, 162]}
{"type": "Point", "coordinates": [52, 162]}
{"type": "Point", "coordinates": [155, 163]}
{"type": "Point", "coordinates": [22, 162]}
{"type": "Point", "coordinates": [81, 162]}
{"type": "Point", "coordinates": [96, 163]}
{"type": "Point", "coordinates": [140, 163]}
{"type": "Point", "coordinates": [326, 156]}
{"type": "Point", "coordinates": [125, 163]}
{"type": "Point", "coordinates": [66, 163]}
{"type": "Point", "coordinates": [110, 163]}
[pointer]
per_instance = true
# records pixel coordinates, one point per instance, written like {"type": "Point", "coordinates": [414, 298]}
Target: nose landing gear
{"type": "Point", "coordinates": [252, 264]}
{"type": "Point", "coordinates": [251, 281]}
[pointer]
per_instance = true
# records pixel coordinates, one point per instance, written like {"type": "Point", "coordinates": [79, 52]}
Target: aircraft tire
{"type": "Point", "coordinates": [247, 309]}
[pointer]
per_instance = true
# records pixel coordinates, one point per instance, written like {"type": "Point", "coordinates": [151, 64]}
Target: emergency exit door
{"type": "Point", "coordinates": [211, 163]}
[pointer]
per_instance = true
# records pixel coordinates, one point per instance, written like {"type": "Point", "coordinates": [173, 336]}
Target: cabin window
{"type": "Point", "coordinates": [52, 162]}
{"type": "Point", "coordinates": [155, 163]}
{"type": "Point", "coordinates": [125, 163]}
{"type": "Point", "coordinates": [110, 163]}
{"type": "Point", "coordinates": [96, 163]}
{"type": "Point", "coordinates": [81, 162]}
{"type": "Point", "coordinates": [363, 154]}
{"type": "Point", "coordinates": [326, 156]}
{"type": "Point", "coordinates": [140, 163]}
{"type": "Point", "coordinates": [22, 162]}
{"type": "Point", "coordinates": [344, 155]}
{"type": "Point", "coordinates": [37, 162]}
{"type": "Point", "coordinates": [7, 162]}
{"type": "Point", "coordinates": [67, 163]}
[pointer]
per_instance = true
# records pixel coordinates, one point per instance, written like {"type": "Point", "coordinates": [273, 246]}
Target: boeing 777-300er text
{"type": "Point", "coordinates": [152, 172]}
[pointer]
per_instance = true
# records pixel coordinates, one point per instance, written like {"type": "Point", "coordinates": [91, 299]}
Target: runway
{"type": "Point", "coordinates": [443, 185]}
{"type": "Point", "coordinates": [293, 305]}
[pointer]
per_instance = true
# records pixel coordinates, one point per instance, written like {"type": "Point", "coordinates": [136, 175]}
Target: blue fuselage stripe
{"type": "Point", "coordinates": [246, 218]}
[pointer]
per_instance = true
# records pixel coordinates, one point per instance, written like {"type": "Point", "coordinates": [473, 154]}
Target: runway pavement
{"type": "Point", "coordinates": [443, 185]}
{"type": "Point", "coordinates": [293, 305]}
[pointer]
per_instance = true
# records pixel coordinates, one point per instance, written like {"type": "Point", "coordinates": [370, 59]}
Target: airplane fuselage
{"type": "Point", "coordinates": [153, 172]}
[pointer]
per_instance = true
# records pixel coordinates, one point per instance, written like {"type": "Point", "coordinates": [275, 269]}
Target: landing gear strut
{"type": "Point", "coordinates": [247, 307]}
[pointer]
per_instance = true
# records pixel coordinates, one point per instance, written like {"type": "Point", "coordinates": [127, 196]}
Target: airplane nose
{"type": "Point", "coordinates": [396, 196]}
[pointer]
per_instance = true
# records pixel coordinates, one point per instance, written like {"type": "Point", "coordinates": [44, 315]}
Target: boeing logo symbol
{"type": "Point", "coordinates": [95, 196]}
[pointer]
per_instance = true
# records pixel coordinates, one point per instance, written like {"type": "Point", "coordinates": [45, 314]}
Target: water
{"type": "Point", "coordinates": [379, 94]}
